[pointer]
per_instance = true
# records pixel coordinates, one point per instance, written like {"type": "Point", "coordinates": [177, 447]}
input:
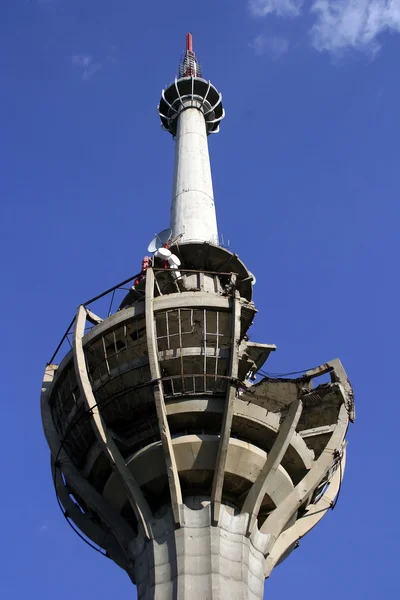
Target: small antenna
{"type": "Point", "coordinates": [189, 42]}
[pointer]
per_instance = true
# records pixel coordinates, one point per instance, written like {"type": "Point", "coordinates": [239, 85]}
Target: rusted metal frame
{"type": "Point", "coordinates": [259, 488]}
{"type": "Point", "coordinates": [180, 348]}
{"type": "Point", "coordinates": [95, 501]}
{"type": "Point", "coordinates": [125, 337]}
{"type": "Point", "coordinates": [216, 350]}
{"type": "Point", "coordinates": [219, 474]}
{"type": "Point", "coordinates": [205, 349]}
{"type": "Point", "coordinates": [117, 353]}
{"type": "Point", "coordinates": [277, 520]}
{"type": "Point", "coordinates": [313, 514]}
{"type": "Point", "coordinates": [167, 329]}
{"type": "Point", "coordinates": [155, 372]}
{"type": "Point", "coordinates": [104, 350]}
{"type": "Point", "coordinates": [135, 496]}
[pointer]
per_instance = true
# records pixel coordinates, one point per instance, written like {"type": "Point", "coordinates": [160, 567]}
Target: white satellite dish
{"type": "Point", "coordinates": [174, 262]}
{"type": "Point", "coordinates": [159, 240]}
{"type": "Point", "coordinates": [163, 253]}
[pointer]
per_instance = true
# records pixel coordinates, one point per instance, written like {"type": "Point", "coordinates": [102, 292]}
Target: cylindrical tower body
{"type": "Point", "coordinates": [169, 451]}
{"type": "Point", "coordinates": [190, 109]}
{"type": "Point", "coordinates": [193, 211]}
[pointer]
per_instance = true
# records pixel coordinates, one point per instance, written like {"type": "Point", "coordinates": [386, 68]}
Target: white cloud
{"type": "Point", "coordinates": [342, 24]}
{"type": "Point", "coordinates": [339, 24]}
{"type": "Point", "coordinates": [283, 8]}
{"type": "Point", "coordinates": [91, 70]}
{"type": "Point", "coordinates": [85, 61]}
{"type": "Point", "coordinates": [82, 60]}
{"type": "Point", "coordinates": [273, 46]}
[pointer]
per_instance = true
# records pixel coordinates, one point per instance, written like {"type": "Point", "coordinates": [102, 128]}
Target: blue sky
{"type": "Point", "coordinates": [306, 177]}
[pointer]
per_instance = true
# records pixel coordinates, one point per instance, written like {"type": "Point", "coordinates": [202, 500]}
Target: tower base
{"type": "Point", "coordinates": [200, 561]}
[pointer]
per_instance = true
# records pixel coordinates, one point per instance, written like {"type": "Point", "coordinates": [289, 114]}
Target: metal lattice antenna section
{"type": "Point", "coordinates": [190, 89]}
{"type": "Point", "coordinates": [189, 65]}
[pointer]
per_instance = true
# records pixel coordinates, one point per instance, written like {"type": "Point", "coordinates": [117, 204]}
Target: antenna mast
{"type": "Point", "coordinates": [191, 109]}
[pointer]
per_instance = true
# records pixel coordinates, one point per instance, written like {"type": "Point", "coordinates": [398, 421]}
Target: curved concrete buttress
{"type": "Point", "coordinates": [313, 514]}
{"type": "Point", "coordinates": [95, 501]}
{"type": "Point", "coordinates": [105, 440]}
{"type": "Point", "coordinates": [278, 519]}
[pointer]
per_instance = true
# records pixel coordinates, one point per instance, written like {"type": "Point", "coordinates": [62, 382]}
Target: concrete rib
{"type": "Point", "coordinates": [314, 513]}
{"type": "Point", "coordinates": [258, 490]}
{"type": "Point", "coordinates": [277, 520]}
{"type": "Point", "coordinates": [172, 471]}
{"type": "Point", "coordinates": [218, 480]}
{"type": "Point", "coordinates": [135, 496]}
{"type": "Point", "coordinates": [120, 528]}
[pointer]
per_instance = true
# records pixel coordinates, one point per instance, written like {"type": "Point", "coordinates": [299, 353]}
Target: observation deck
{"type": "Point", "coordinates": [191, 92]}
{"type": "Point", "coordinates": [159, 412]}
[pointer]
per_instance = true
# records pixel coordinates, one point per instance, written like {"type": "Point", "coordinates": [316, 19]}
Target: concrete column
{"type": "Point", "coordinates": [165, 434]}
{"type": "Point", "coordinates": [106, 441]}
{"type": "Point", "coordinates": [193, 210]}
{"type": "Point", "coordinates": [200, 561]}
{"type": "Point", "coordinates": [219, 473]}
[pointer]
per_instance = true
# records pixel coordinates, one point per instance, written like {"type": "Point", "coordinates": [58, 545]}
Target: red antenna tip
{"type": "Point", "coordinates": [189, 42]}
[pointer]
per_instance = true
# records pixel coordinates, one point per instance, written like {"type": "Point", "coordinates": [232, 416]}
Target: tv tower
{"type": "Point", "coordinates": [172, 452]}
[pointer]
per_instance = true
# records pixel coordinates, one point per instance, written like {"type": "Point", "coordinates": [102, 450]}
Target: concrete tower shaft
{"type": "Point", "coordinates": [190, 109]}
{"type": "Point", "coordinates": [193, 210]}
